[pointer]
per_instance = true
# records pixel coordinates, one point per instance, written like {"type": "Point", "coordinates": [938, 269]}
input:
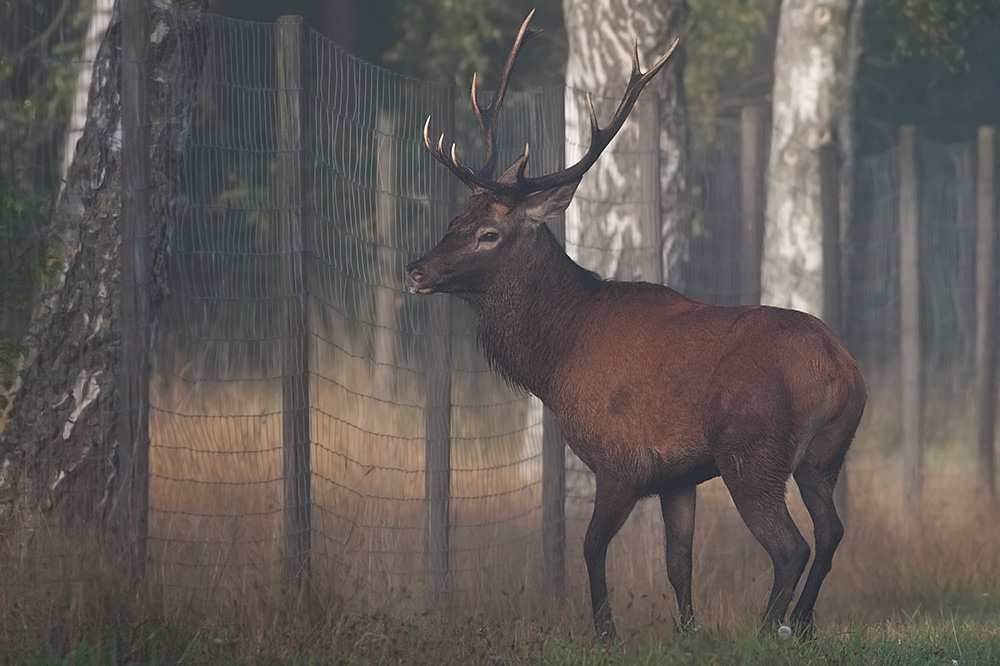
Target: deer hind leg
{"type": "Point", "coordinates": [816, 478]}
{"type": "Point", "coordinates": [612, 505]}
{"type": "Point", "coordinates": [678, 508]}
{"type": "Point", "coordinates": [758, 492]}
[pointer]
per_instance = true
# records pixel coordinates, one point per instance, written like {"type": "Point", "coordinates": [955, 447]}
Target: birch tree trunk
{"type": "Point", "coordinates": [97, 27]}
{"type": "Point", "coordinates": [602, 232]}
{"type": "Point", "coordinates": [58, 452]}
{"type": "Point", "coordinates": [99, 19]}
{"type": "Point", "coordinates": [815, 63]}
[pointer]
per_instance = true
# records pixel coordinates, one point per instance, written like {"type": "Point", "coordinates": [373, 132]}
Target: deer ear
{"type": "Point", "coordinates": [548, 204]}
{"type": "Point", "coordinates": [510, 175]}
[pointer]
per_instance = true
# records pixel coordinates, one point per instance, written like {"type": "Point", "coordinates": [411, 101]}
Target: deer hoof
{"type": "Point", "coordinates": [689, 627]}
{"type": "Point", "coordinates": [607, 635]}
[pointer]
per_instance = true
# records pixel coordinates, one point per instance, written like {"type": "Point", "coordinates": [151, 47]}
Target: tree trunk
{"type": "Point", "coordinates": [98, 25]}
{"type": "Point", "coordinates": [602, 234]}
{"type": "Point", "coordinates": [815, 62]}
{"type": "Point", "coordinates": [58, 452]}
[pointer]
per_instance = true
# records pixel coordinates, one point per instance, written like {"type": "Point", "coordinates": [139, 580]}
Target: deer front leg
{"type": "Point", "coordinates": [678, 508]}
{"type": "Point", "coordinates": [612, 506]}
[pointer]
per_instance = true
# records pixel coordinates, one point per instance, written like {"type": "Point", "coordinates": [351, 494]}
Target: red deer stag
{"type": "Point", "coordinates": [656, 393]}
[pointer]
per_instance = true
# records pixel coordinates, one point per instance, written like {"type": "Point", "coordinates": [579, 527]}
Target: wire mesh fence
{"type": "Point", "coordinates": [417, 476]}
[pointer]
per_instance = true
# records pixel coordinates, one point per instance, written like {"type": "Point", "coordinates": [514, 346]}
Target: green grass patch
{"type": "Point", "coordinates": [967, 640]}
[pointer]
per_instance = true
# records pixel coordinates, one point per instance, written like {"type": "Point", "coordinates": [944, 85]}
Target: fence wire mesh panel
{"type": "Point", "coordinates": [368, 206]}
{"type": "Point", "coordinates": [314, 429]}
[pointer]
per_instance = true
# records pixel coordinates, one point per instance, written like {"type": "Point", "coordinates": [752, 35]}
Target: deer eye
{"type": "Point", "coordinates": [489, 237]}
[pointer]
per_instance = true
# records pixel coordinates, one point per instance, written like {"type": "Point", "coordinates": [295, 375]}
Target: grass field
{"type": "Point", "coordinates": [904, 589]}
{"type": "Point", "coordinates": [968, 638]}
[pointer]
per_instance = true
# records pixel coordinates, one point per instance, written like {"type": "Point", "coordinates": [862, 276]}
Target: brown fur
{"type": "Point", "coordinates": [657, 393]}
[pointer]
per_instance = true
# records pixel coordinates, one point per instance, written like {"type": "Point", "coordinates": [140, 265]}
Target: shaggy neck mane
{"type": "Point", "coordinates": [527, 321]}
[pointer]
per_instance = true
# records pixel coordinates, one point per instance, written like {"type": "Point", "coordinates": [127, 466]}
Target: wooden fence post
{"type": "Point", "coordinates": [387, 279]}
{"type": "Point", "coordinates": [986, 309]}
{"type": "Point", "coordinates": [829, 185]}
{"type": "Point", "coordinates": [437, 415]}
{"type": "Point", "coordinates": [911, 391]}
{"type": "Point", "coordinates": [651, 260]}
{"type": "Point", "coordinates": [295, 299]}
{"type": "Point", "coordinates": [136, 318]}
{"type": "Point", "coordinates": [553, 445]}
{"type": "Point", "coordinates": [751, 224]}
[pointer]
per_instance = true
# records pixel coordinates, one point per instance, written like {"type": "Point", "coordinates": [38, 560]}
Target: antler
{"type": "Point", "coordinates": [523, 185]}
{"type": "Point", "coordinates": [486, 119]}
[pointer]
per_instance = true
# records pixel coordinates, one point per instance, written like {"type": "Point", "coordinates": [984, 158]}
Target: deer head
{"type": "Point", "coordinates": [504, 215]}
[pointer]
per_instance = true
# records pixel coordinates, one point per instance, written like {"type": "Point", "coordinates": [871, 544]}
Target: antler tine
{"type": "Point", "coordinates": [522, 169]}
{"type": "Point", "coordinates": [522, 185]}
{"type": "Point", "coordinates": [463, 172]}
{"type": "Point", "coordinates": [487, 117]}
{"type": "Point", "coordinates": [601, 137]}
{"type": "Point", "coordinates": [475, 102]}
{"type": "Point", "coordinates": [427, 129]}
{"type": "Point", "coordinates": [594, 126]}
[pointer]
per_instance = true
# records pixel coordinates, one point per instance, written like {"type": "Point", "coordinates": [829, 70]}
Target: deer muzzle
{"type": "Point", "coordinates": [416, 280]}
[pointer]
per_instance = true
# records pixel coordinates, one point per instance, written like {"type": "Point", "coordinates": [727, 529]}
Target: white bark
{"type": "Point", "coordinates": [605, 229]}
{"type": "Point", "coordinates": [99, 20]}
{"type": "Point", "coordinates": [815, 60]}
{"type": "Point", "coordinates": [61, 439]}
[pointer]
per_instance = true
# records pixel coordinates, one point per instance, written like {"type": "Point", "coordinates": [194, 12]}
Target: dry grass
{"type": "Point", "coordinates": [216, 527]}
{"type": "Point", "coordinates": [217, 488]}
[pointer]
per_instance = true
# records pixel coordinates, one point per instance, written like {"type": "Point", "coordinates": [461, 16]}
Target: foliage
{"type": "Point", "coordinates": [26, 204]}
{"type": "Point", "coordinates": [931, 63]}
{"type": "Point", "coordinates": [448, 40]}
{"type": "Point", "coordinates": [928, 62]}
{"type": "Point", "coordinates": [37, 80]}
{"type": "Point", "coordinates": [938, 28]}
{"type": "Point", "coordinates": [730, 52]}
{"type": "Point", "coordinates": [925, 61]}
{"type": "Point", "coordinates": [22, 213]}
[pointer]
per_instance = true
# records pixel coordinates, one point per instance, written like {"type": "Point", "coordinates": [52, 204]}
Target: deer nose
{"type": "Point", "coordinates": [412, 279]}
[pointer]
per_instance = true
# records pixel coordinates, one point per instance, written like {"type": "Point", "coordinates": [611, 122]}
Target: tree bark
{"type": "Point", "coordinates": [601, 232]}
{"type": "Point", "coordinates": [58, 452]}
{"type": "Point", "coordinates": [97, 28]}
{"type": "Point", "coordinates": [815, 62]}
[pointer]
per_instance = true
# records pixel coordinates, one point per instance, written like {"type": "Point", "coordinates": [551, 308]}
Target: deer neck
{"type": "Point", "coordinates": [527, 322]}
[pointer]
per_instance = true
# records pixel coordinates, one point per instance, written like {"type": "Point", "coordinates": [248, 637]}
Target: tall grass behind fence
{"type": "Point", "coordinates": [305, 409]}
{"type": "Point", "coordinates": [371, 202]}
